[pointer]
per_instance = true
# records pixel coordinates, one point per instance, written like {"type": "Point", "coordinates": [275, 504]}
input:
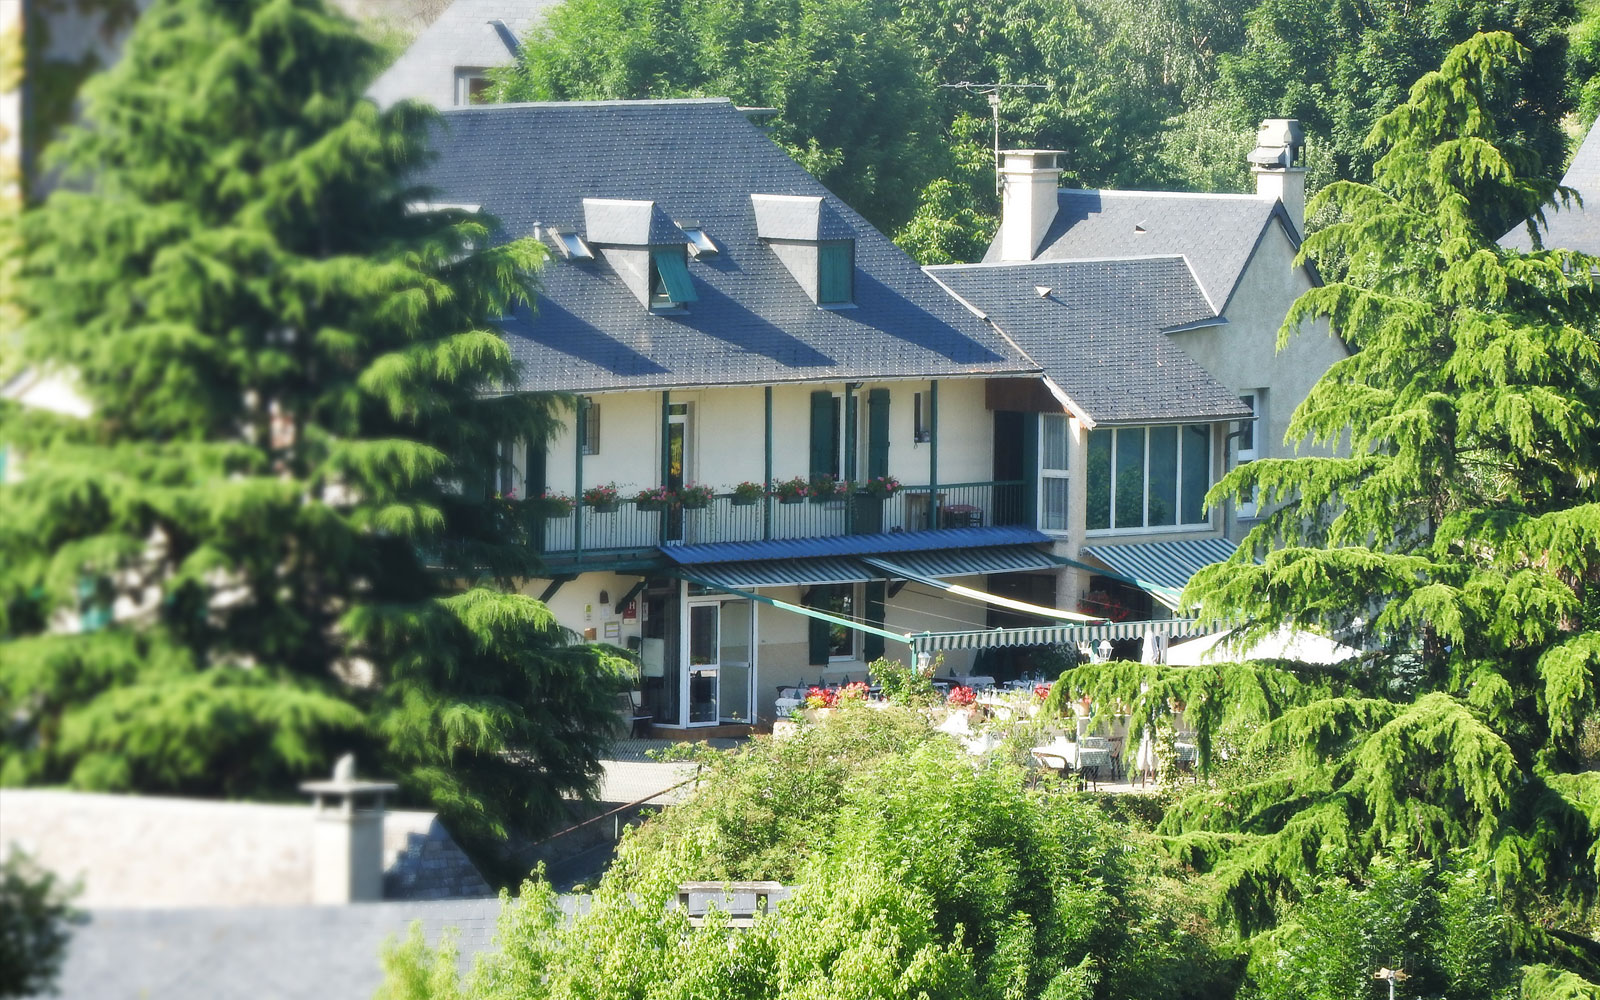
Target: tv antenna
{"type": "Point", "coordinates": [992, 92]}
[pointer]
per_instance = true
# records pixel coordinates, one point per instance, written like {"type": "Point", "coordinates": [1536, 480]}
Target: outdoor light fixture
{"type": "Point", "coordinates": [1105, 649]}
{"type": "Point", "coordinates": [605, 597]}
{"type": "Point", "coordinates": [1391, 975]}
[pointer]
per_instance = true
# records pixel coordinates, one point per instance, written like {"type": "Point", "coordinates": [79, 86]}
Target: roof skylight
{"type": "Point", "coordinates": [571, 244]}
{"type": "Point", "coordinates": [700, 244]}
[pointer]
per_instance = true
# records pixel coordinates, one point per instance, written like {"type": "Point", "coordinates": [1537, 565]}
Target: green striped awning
{"type": "Point", "coordinates": [784, 572]}
{"type": "Point", "coordinates": [974, 562]}
{"type": "Point", "coordinates": [1050, 635]}
{"type": "Point", "coordinates": [848, 569]}
{"type": "Point", "coordinates": [1162, 569]}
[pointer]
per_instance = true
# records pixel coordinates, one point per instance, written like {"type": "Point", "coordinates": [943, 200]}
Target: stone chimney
{"type": "Point", "coordinates": [347, 836]}
{"type": "Point", "coordinates": [1279, 163]}
{"type": "Point", "coordinates": [1028, 182]}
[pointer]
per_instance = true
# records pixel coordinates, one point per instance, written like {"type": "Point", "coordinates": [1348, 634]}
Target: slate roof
{"type": "Point", "coordinates": [256, 952]}
{"type": "Point", "coordinates": [1098, 333]}
{"type": "Point", "coordinates": [461, 36]}
{"type": "Point", "coordinates": [531, 164]}
{"type": "Point", "coordinates": [1572, 226]}
{"type": "Point", "coordinates": [1217, 233]}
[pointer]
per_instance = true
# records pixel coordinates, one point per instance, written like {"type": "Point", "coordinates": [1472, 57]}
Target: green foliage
{"type": "Point", "coordinates": [1440, 924]}
{"type": "Point", "coordinates": [35, 911]}
{"type": "Point", "coordinates": [903, 684]}
{"type": "Point", "coordinates": [1457, 535]}
{"type": "Point", "coordinates": [1339, 66]}
{"type": "Point", "coordinates": [217, 580]}
{"type": "Point", "coordinates": [1583, 64]}
{"type": "Point", "coordinates": [920, 873]}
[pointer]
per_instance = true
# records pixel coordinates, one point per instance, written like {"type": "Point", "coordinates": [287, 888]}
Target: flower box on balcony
{"type": "Point", "coordinates": [748, 494]}
{"type": "Point", "coordinates": [791, 490]}
{"type": "Point", "coordinates": [601, 499]}
{"type": "Point", "coordinates": [826, 488]}
{"type": "Point", "coordinates": [654, 498]}
{"type": "Point", "coordinates": [695, 497]}
{"type": "Point", "coordinates": [555, 505]}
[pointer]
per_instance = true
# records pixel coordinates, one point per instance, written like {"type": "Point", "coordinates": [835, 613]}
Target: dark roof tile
{"type": "Point", "coordinates": [530, 164]}
{"type": "Point", "coordinates": [1098, 332]}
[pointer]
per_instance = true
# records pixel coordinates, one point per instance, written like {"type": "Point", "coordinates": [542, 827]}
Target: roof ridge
{"type": "Point", "coordinates": [1118, 193]}
{"type": "Point", "coordinates": [646, 102]}
{"type": "Point", "coordinates": [1058, 261]}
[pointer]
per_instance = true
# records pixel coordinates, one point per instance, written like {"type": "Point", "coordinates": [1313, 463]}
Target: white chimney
{"type": "Point", "coordinates": [347, 836]}
{"type": "Point", "coordinates": [1028, 182]}
{"type": "Point", "coordinates": [1279, 163]}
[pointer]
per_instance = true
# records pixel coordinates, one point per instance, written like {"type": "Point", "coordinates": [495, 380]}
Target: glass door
{"type": "Point", "coordinates": [704, 647]}
{"type": "Point", "coordinates": [734, 662]}
{"type": "Point", "coordinates": [677, 464]}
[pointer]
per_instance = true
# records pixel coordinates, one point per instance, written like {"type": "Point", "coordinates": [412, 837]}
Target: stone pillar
{"type": "Point", "coordinates": [347, 836]}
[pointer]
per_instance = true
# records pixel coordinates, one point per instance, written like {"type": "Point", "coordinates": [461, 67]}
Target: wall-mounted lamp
{"type": "Point", "coordinates": [605, 598]}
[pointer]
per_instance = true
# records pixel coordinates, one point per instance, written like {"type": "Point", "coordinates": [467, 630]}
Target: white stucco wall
{"type": "Point", "coordinates": [727, 436]}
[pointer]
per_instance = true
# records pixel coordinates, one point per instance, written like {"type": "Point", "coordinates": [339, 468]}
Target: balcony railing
{"type": "Point", "coordinates": [628, 525]}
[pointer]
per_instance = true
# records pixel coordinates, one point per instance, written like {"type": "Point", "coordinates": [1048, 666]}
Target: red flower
{"type": "Point", "coordinates": [1041, 691]}
{"type": "Point", "coordinates": [960, 696]}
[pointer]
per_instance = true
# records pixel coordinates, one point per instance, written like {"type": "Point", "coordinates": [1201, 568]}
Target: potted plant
{"type": "Point", "coordinates": [554, 505]}
{"type": "Point", "coordinates": [695, 496]}
{"type": "Point", "coordinates": [792, 490]}
{"type": "Point", "coordinates": [881, 487]}
{"type": "Point", "coordinates": [601, 499]}
{"type": "Point", "coordinates": [747, 494]}
{"type": "Point", "coordinates": [654, 498]}
{"type": "Point", "coordinates": [825, 488]}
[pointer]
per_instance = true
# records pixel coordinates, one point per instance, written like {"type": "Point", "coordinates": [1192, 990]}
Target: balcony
{"type": "Point", "coordinates": [629, 526]}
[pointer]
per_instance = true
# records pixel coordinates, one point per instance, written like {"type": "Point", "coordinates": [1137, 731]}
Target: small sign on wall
{"type": "Point", "coordinates": [613, 630]}
{"type": "Point", "coordinates": [631, 611]}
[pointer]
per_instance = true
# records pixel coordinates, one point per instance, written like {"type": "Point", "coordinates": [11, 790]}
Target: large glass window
{"type": "Point", "coordinates": [840, 600]}
{"type": "Point", "coordinates": [1148, 477]}
{"type": "Point", "coordinates": [1053, 444]}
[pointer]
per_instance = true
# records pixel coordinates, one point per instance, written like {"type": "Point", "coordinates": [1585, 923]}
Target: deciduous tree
{"type": "Point", "coordinates": [253, 551]}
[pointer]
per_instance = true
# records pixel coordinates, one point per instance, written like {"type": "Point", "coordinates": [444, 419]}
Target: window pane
{"type": "Point", "coordinates": [1196, 471]}
{"type": "Point", "coordinates": [1055, 503]}
{"type": "Point", "coordinates": [835, 267]}
{"type": "Point", "coordinates": [1099, 480]}
{"type": "Point", "coordinates": [1130, 477]}
{"type": "Point", "coordinates": [1163, 476]}
{"type": "Point", "coordinates": [703, 635]}
{"type": "Point", "coordinates": [1054, 437]}
{"type": "Point", "coordinates": [1247, 428]}
{"type": "Point", "coordinates": [840, 600]}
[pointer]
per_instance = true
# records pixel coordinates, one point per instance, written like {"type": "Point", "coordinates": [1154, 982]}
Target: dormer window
{"type": "Point", "coordinates": [669, 278]}
{"type": "Point", "coordinates": [836, 271]}
{"type": "Point", "coordinates": [571, 244]}
{"type": "Point", "coordinates": [813, 241]}
{"type": "Point", "coordinates": [700, 245]}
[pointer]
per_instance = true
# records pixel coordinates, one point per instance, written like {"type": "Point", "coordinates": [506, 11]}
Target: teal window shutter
{"type": "Point", "coordinates": [836, 265]}
{"type": "Point", "coordinates": [824, 440]}
{"type": "Point", "coordinates": [673, 270]}
{"type": "Point", "coordinates": [872, 646]}
{"type": "Point", "coordinates": [818, 632]}
{"type": "Point", "coordinates": [877, 433]}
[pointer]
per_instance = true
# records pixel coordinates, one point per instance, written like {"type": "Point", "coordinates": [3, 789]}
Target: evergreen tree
{"type": "Point", "coordinates": [252, 553]}
{"type": "Point", "coordinates": [1458, 532]}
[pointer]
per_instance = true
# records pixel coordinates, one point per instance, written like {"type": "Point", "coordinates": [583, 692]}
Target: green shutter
{"type": "Point", "coordinates": [877, 433]}
{"type": "Point", "coordinates": [872, 646]}
{"type": "Point", "coordinates": [835, 272]}
{"type": "Point", "coordinates": [1030, 468]}
{"type": "Point", "coordinates": [674, 271]}
{"type": "Point", "coordinates": [824, 447]}
{"type": "Point", "coordinates": [818, 632]}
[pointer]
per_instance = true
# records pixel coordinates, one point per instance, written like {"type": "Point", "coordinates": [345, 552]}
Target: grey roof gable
{"type": "Point", "coordinates": [464, 35]}
{"type": "Point", "coordinates": [1217, 233]}
{"type": "Point", "coordinates": [532, 166]}
{"type": "Point", "coordinates": [1572, 226]}
{"type": "Point", "coordinates": [1097, 330]}
{"type": "Point", "coordinates": [629, 223]}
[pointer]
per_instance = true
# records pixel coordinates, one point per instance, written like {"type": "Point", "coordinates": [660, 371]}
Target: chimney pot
{"type": "Point", "coordinates": [347, 835]}
{"type": "Point", "coordinates": [1278, 163]}
{"type": "Point", "coordinates": [1028, 181]}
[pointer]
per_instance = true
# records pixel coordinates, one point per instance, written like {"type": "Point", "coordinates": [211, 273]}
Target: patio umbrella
{"type": "Point", "coordinates": [1284, 644]}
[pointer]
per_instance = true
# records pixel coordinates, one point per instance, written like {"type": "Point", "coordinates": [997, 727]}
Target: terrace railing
{"type": "Point", "coordinates": [631, 525]}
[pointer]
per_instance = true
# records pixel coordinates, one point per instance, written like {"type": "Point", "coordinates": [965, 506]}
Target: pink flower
{"type": "Point", "coordinates": [961, 696]}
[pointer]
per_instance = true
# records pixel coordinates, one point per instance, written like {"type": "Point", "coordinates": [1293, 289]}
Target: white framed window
{"type": "Point", "coordinates": [1251, 431]}
{"type": "Point", "coordinates": [1148, 477]}
{"type": "Point", "coordinates": [1054, 446]}
{"type": "Point", "coordinates": [922, 417]}
{"type": "Point", "coordinates": [472, 85]}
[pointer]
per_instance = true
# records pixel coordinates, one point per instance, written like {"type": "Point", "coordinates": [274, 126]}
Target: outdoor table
{"type": "Point", "coordinates": [1064, 756]}
{"type": "Point", "coordinates": [977, 682]}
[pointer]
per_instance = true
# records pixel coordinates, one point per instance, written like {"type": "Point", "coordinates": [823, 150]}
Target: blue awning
{"type": "Point", "coordinates": [1162, 569]}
